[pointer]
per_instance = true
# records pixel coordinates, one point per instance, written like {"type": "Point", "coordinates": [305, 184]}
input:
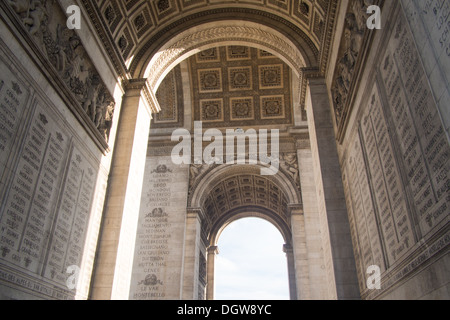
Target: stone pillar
{"type": "Point", "coordinates": [210, 261]}
{"type": "Point", "coordinates": [287, 248]}
{"type": "Point", "coordinates": [112, 273]}
{"type": "Point", "coordinates": [299, 255]}
{"type": "Point", "coordinates": [191, 255]}
{"type": "Point", "coordinates": [306, 228]}
{"type": "Point", "coordinates": [335, 228]}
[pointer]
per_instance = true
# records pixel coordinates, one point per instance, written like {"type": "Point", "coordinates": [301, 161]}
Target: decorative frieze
{"type": "Point", "coordinates": [351, 53]}
{"type": "Point", "coordinates": [63, 51]}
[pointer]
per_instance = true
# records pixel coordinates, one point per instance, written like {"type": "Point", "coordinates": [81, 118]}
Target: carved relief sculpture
{"type": "Point", "coordinates": [354, 30]}
{"type": "Point", "coordinates": [63, 49]}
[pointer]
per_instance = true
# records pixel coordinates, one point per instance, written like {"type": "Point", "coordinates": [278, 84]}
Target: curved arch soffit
{"type": "Point", "coordinates": [253, 212]}
{"type": "Point", "coordinates": [220, 172]}
{"type": "Point", "coordinates": [222, 33]}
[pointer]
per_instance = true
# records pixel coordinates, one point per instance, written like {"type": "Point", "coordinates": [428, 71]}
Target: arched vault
{"type": "Point", "coordinates": [229, 192]}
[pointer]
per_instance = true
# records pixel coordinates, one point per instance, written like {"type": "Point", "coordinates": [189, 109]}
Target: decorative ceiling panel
{"type": "Point", "coordinates": [132, 23]}
{"type": "Point", "coordinates": [170, 98]}
{"type": "Point", "coordinates": [245, 190]}
{"type": "Point", "coordinates": [240, 86]}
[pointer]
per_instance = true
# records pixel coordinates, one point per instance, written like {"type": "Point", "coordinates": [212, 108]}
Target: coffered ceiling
{"type": "Point", "coordinates": [131, 22]}
{"type": "Point", "coordinates": [128, 27]}
{"type": "Point", "coordinates": [231, 86]}
{"type": "Point", "coordinates": [247, 192]}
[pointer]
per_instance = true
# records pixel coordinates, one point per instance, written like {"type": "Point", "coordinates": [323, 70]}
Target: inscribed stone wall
{"type": "Point", "coordinates": [160, 235]}
{"type": "Point", "coordinates": [430, 25]}
{"type": "Point", "coordinates": [396, 171]}
{"type": "Point", "coordinates": [48, 179]}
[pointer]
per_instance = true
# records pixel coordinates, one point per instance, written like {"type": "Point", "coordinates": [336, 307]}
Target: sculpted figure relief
{"type": "Point", "coordinates": [31, 12]}
{"type": "Point", "coordinates": [63, 49]}
{"type": "Point", "coordinates": [289, 164]}
{"type": "Point", "coordinates": [354, 29]}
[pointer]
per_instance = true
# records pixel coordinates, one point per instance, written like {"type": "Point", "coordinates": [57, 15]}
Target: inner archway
{"type": "Point", "coordinates": [251, 263]}
{"type": "Point", "coordinates": [210, 35]}
{"type": "Point", "coordinates": [237, 192]}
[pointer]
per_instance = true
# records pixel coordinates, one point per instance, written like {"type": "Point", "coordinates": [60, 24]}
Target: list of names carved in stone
{"type": "Point", "coordinates": [69, 233]}
{"type": "Point", "coordinates": [13, 99]}
{"type": "Point", "coordinates": [364, 212]}
{"type": "Point", "coordinates": [27, 217]}
{"type": "Point", "coordinates": [389, 194]}
{"type": "Point", "coordinates": [436, 19]}
{"type": "Point", "coordinates": [153, 240]}
{"type": "Point", "coordinates": [424, 147]}
{"type": "Point", "coordinates": [360, 263]}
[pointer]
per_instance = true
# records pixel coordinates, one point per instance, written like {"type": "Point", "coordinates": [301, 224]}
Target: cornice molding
{"type": "Point", "coordinates": [105, 37]}
{"type": "Point", "coordinates": [140, 87]}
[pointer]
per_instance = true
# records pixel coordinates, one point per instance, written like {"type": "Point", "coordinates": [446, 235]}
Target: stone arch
{"type": "Point", "coordinates": [282, 195]}
{"type": "Point", "coordinates": [214, 174]}
{"type": "Point", "coordinates": [231, 16]}
{"type": "Point", "coordinates": [205, 184]}
{"type": "Point", "coordinates": [222, 33]}
{"type": "Point", "coordinates": [215, 34]}
{"type": "Point", "coordinates": [248, 212]}
{"type": "Point", "coordinates": [148, 69]}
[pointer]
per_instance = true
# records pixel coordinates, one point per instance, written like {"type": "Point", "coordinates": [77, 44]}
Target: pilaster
{"type": "Point", "coordinates": [210, 261]}
{"type": "Point", "coordinates": [334, 224]}
{"type": "Point", "coordinates": [114, 259]}
{"type": "Point", "coordinates": [192, 240]}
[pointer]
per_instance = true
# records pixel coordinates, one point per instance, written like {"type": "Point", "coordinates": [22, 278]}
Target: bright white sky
{"type": "Point", "coordinates": [251, 264]}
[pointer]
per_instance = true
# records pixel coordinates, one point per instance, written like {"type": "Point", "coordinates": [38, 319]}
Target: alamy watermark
{"type": "Point", "coordinates": [373, 281]}
{"type": "Point", "coordinates": [374, 21]}
{"type": "Point", "coordinates": [72, 279]}
{"type": "Point", "coordinates": [213, 153]}
{"type": "Point", "coordinates": [74, 17]}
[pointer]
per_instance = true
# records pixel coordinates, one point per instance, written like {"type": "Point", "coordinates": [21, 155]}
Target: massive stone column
{"type": "Point", "coordinates": [334, 225]}
{"type": "Point", "coordinates": [212, 252]}
{"type": "Point", "coordinates": [297, 256]}
{"type": "Point", "coordinates": [287, 248]}
{"type": "Point", "coordinates": [113, 265]}
{"type": "Point", "coordinates": [190, 276]}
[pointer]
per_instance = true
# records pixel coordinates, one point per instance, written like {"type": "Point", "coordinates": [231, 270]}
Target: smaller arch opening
{"type": "Point", "coordinates": [251, 264]}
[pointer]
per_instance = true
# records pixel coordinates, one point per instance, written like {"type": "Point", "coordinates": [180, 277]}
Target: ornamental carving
{"type": "Point", "coordinates": [62, 48]}
{"type": "Point", "coordinates": [289, 165]}
{"type": "Point", "coordinates": [355, 29]}
{"type": "Point", "coordinates": [244, 86]}
{"type": "Point", "coordinates": [196, 39]}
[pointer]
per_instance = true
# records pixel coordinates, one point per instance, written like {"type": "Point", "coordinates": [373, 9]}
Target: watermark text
{"type": "Point", "coordinates": [213, 153]}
